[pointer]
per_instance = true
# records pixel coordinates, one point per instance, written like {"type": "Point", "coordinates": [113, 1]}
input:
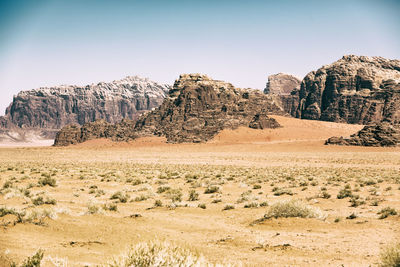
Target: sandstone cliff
{"type": "Point", "coordinates": [381, 134]}
{"type": "Point", "coordinates": [197, 108]}
{"type": "Point", "coordinates": [49, 109]}
{"type": "Point", "coordinates": [285, 88]}
{"type": "Point", "coordinates": [354, 89]}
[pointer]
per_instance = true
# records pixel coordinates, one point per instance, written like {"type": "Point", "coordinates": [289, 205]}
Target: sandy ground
{"type": "Point", "coordinates": [248, 166]}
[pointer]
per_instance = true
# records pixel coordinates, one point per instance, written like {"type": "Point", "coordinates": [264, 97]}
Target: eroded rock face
{"type": "Point", "coordinates": [54, 107]}
{"type": "Point", "coordinates": [285, 88]}
{"type": "Point", "coordinates": [382, 134]}
{"type": "Point", "coordinates": [196, 109]}
{"type": "Point", "coordinates": [282, 84]}
{"type": "Point", "coordinates": [354, 89]}
{"type": "Point", "coordinates": [74, 134]}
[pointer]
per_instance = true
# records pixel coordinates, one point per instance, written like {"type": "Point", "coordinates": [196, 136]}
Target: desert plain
{"type": "Point", "coordinates": [86, 204]}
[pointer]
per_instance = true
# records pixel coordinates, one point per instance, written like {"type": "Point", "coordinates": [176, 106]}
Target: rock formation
{"type": "Point", "coordinates": [354, 89]}
{"type": "Point", "coordinates": [49, 109]}
{"type": "Point", "coordinates": [196, 109]}
{"type": "Point", "coordinates": [286, 89]}
{"type": "Point", "coordinates": [199, 107]}
{"type": "Point", "coordinates": [381, 134]}
{"type": "Point", "coordinates": [73, 134]}
{"type": "Point", "coordinates": [282, 84]}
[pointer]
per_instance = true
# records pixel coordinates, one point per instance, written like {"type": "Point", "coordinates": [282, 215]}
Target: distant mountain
{"type": "Point", "coordinates": [286, 89]}
{"type": "Point", "coordinates": [354, 89]}
{"type": "Point", "coordinates": [196, 109]}
{"type": "Point", "coordinates": [47, 110]}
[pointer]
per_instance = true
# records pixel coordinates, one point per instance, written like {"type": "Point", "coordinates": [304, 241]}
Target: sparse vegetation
{"type": "Point", "coordinates": [292, 208]}
{"type": "Point", "coordinates": [386, 212]}
{"type": "Point", "coordinates": [390, 257]}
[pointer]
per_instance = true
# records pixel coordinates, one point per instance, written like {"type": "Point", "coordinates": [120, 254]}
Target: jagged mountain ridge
{"type": "Point", "coordinates": [196, 109]}
{"type": "Point", "coordinates": [51, 108]}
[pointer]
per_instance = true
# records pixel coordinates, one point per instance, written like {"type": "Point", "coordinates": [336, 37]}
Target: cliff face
{"type": "Point", "coordinates": [50, 109]}
{"type": "Point", "coordinates": [74, 134]}
{"type": "Point", "coordinates": [285, 88]}
{"type": "Point", "coordinates": [381, 134]}
{"type": "Point", "coordinates": [354, 89]}
{"type": "Point", "coordinates": [197, 108]}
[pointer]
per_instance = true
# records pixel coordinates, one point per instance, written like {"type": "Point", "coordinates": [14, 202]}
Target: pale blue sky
{"type": "Point", "coordinates": [47, 43]}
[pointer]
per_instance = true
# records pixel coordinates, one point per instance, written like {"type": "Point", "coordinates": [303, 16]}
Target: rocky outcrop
{"type": "Point", "coordinates": [354, 89]}
{"type": "Point", "coordinates": [196, 109]}
{"type": "Point", "coordinates": [286, 89]}
{"type": "Point", "coordinates": [74, 134]}
{"type": "Point", "coordinates": [54, 107]}
{"type": "Point", "coordinates": [382, 134]}
{"type": "Point", "coordinates": [282, 84]}
{"type": "Point", "coordinates": [262, 121]}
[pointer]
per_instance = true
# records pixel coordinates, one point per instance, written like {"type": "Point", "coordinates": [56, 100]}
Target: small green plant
{"type": "Point", "coordinates": [256, 186]}
{"type": "Point", "coordinates": [202, 206]}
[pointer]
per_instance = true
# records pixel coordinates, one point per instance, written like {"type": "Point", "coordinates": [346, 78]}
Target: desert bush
{"type": "Point", "coordinates": [228, 207]}
{"type": "Point", "coordinates": [33, 261]}
{"type": "Point", "coordinates": [193, 195]}
{"type": "Point", "coordinates": [110, 207]}
{"type": "Point", "coordinates": [93, 209]}
{"type": "Point", "coordinates": [158, 203]}
{"type": "Point", "coordinates": [123, 198]}
{"type": "Point", "coordinates": [47, 180]}
{"type": "Point", "coordinates": [345, 192]}
{"type": "Point", "coordinates": [390, 257]}
{"type": "Point", "coordinates": [211, 189]}
{"type": "Point", "coordinates": [256, 186]}
{"type": "Point", "coordinates": [159, 254]}
{"type": "Point", "coordinates": [163, 189]}
{"type": "Point", "coordinates": [40, 201]}
{"type": "Point", "coordinates": [281, 191]}
{"type": "Point", "coordinates": [202, 206]}
{"type": "Point", "coordinates": [174, 195]}
{"type": "Point", "coordinates": [386, 212]}
{"type": "Point", "coordinates": [251, 205]}
{"type": "Point", "coordinates": [293, 208]}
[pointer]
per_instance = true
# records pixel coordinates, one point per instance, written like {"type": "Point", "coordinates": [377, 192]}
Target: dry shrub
{"type": "Point", "coordinates": [160, 254]}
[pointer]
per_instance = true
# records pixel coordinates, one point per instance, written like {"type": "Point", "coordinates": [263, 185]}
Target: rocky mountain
{"type": "Point", "coordinates": [354, 89]}
{"type": "Point", "coordinates": [49, 109]}
{"type": "Point", "coordinates": [286, 89]}
{"type": "Point", "coordinates": [282, 84]}
{"type": "Point", "coordinates": [197, 108]}
{"type": "Point", "coordinates": [381, 134]}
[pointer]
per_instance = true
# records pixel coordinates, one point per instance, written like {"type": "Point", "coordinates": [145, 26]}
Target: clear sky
{"type": "Point", "coordinates": [47, 43]}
